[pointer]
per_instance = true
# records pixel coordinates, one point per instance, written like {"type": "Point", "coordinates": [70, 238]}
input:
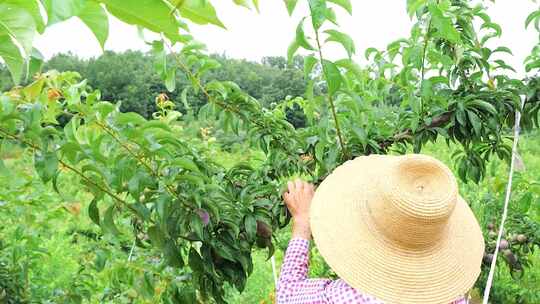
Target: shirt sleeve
{"type": "Point", "coordinates": [294, 287]}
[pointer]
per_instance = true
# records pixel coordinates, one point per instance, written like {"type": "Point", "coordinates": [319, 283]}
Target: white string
{"type": "Point", "coordinates": [506, 200]}
{"type": "Point", "coordinates": [131, 251]}
{"type": "Point", "coordinates": [274, 272]}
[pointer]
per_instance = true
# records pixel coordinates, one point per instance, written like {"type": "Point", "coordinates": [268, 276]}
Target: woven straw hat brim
{"type": "Point", "coordinates": [368, 262]}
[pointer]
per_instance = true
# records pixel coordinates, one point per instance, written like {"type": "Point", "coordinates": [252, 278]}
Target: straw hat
{"type": "Point", "coordinates": [396, 228]}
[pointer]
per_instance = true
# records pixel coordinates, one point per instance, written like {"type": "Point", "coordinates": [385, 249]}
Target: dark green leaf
{"type": "Point", "coordinates": [46, 164]}
{"type": "Point", "coordinates": [156, 236]}
{"type": "Point", "coordinates": [197, 226]}
{"type": "Point", "coordinates": [250, 224]}
{"type": "Point", "coordinates": [172, 254]}
{"type": "Point", "coordinates": [93, 212]}
{"type": "Point", "coordinates": [107, 224]}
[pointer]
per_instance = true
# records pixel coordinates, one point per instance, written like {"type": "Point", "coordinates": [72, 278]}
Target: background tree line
{"type": "Point", "coordinates": [130, 78]}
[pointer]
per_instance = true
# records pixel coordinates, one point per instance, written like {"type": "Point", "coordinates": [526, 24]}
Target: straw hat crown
{"type": "Point", "coordinates": [418, 195]}
{"type": "Point", "coordinates": [395, 227]}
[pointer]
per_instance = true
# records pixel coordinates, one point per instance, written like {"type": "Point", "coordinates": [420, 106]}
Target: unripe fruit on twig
{"type": "Point", "coordinates": [53, 94]}
{"type": "Point", "coordinates": [521, 238]}
{"type": "Point", "coordinates": [263, 229]}
{"type": "Point", "coordinates": [510, 257]}
{"type": "Point", "coordinates": [205, 217]}
{"type": "Point", "coordinates": [492, 234]}
{"type": "Point", "coordinates": [488, 258]}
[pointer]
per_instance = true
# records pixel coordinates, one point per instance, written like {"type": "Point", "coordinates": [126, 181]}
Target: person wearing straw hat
{"type": "Point", "coordinates": [393, 228]}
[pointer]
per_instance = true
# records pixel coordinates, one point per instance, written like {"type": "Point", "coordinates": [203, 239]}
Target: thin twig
{"type": "Point", "coordinates": [330, 99]}
{"type": "Point", "coordinates": [423, 68]}
{"type": "Point", "coordinates": [73, 169]}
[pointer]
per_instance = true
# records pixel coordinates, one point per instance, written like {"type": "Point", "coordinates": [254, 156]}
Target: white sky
{"type": "Point", "coordinates": [250, 35]}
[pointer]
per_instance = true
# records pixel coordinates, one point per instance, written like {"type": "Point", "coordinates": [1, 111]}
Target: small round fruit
{"type": "Point", "coordinates": [510, 257]}
{"type": "Point", "coordinates": [488, 258]}
{"type": "Point", "coordinates": [490, 226]}
{"type": "Point", "coordinates": [263, 229]}
{"type": "Point", "coordinates": [203, 214]}
{"type": "Point", "coordinates": [492, 234]}
{"type": "Point", "coordinates": [53, 94]}
{"type": "Point", "coordinates": [521, 238]}
{"type": "Point", "coordinates": [504, 244]}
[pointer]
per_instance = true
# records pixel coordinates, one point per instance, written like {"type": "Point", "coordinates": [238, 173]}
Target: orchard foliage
{"type": "Point", "coordinates": [442, 81]}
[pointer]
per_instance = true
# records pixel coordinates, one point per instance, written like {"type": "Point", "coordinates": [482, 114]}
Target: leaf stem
{"type": "Point", "coordinates": [74, 170]}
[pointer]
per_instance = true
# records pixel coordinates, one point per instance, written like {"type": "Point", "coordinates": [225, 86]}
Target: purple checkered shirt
{"type": "Point", "coordinates": [295, 288]}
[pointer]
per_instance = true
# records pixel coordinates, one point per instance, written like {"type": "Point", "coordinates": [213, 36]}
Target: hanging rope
{"type": "Point", "coordinates": [506, 200]}
{"type": "Point", "coordinates": [274, 272]}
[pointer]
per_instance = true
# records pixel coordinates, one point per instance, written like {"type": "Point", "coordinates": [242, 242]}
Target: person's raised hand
{"type": "Point", "coordinates": [298, 200]}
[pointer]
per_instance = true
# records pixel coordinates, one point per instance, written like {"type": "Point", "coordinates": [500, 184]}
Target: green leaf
{"type": "Point", "coordinates": [12, 56]}
{"type": "Point", "coordinates": [318, 12]}
{"type": "Point", "coordinates": [368, 52]}
{"type": "Point", "coordinates": [100, 260]}
{"type": "Point", "coordinates": [97, 20]}
{"type": "Point", "coordinates": [154, 15]}
{"type": "Point", "coordinates": [35, 64]}
{"type": "Point", "coordinates": [291, 4]}
{"type": "Point", "coordinates": [301, 37]}
{"type": "Point", "coordinates": [195, 261]}
{"type": "Point", "coordinates": [256, 4]}
{"type": "Point", "coordinates": [198, 11]}
{"type": "Point", "coordinates": [185, 163]}
{"type": "Point", "coordinates": [197, 226]}
{"type": "Point", "coordinates": [244, 3]}
{"type": "Point", "coordinates": [346, 4]}
{"type": "Point", "coordinates": [107, 224]}
{"type": "Point", "coordinates": [534, 15]}
{"type": "Point", "coordinates": [291, 51]}
{"type": "Point", "coordinates": [524, 203]}
{"type": "Point", "coordinates": [32, 7]}
{"type": "Point", "coordinates": [502, 49]}
{"type": "Point", "coordinates": [350, 66]}
{"type": "Point", "coordinates": [19, 24]}
{"type": "Point", "coordinates": [443, 24]}
{"type": "Point", "coordinates": [332, 76]}
{"type": "Point", "coordinates": [170, 79]}
{"type": "Point", "coordinates": [172, 254]}
{"type": "Point", "coordinates": [46, 164]}
{"type": "Point", "coordinates": [156, 237]}
{"type": "Point", "coordinates": [475, 121]}
{"type": "Point", "coordinates": [493, 26]}
{"type": "Point", "coordinates": [483, 105]}
{"type": "Point", "coordinates": [309, 63]}
{"type": "Point", "coordinates": [93, 212]}
{"type": "Point", "coordinates": [60, 10]}
{"type": "Point", "coordinates": [342, 38]}
{"type": "Point", "coordinates": [250, 224]}
{"type": "Point", "coordinates": [414, 5]}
